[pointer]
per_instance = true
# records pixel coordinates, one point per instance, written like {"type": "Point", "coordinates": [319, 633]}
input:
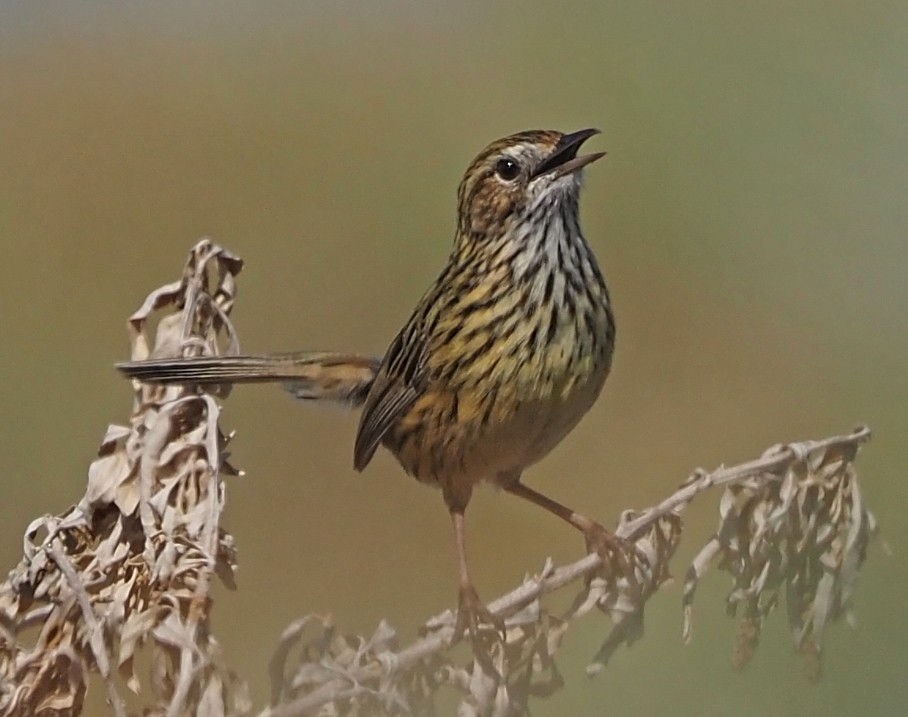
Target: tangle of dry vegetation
{"type": "Point", "coordinates": [128, 570]}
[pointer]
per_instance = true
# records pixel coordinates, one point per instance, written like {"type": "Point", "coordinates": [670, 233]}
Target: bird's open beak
{"type": "Point", "coordinates": [563, 159]}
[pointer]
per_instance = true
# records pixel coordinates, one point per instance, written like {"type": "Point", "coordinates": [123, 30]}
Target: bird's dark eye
{"type": "Point", "coordinates": [507, 169]}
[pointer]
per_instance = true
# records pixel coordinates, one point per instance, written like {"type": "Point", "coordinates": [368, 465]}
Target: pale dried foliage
{"type": "Point", "coordinates": [128, 571]}
{"type": "Point", "coordinates": [795, 525]}
{"type": "Point", "coordinates": [129, 567]}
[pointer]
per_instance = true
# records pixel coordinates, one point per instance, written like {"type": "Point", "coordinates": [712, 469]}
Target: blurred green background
{"type": "Point", "coordinates": [750, 218]}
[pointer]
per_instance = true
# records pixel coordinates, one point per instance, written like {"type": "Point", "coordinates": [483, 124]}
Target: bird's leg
{"type": "Point", "coordinates": [609, 547]}
{"type": "Point", "coordinates": [471, 612]}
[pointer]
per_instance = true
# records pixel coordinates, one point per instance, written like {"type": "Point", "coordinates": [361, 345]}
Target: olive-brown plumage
{"type": "Point", "coordinates": [500, 359]}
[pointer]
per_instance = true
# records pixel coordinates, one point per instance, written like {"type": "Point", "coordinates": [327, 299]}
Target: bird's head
{"type": "Point", "coordinates": [520, 175]}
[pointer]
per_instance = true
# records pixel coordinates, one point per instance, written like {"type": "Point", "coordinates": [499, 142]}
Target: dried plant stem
{"type": "Point", "coordinates": [774, 461]}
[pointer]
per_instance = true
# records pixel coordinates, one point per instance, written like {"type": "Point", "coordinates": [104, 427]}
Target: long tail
{"type": "Point", "coordinates": [315, 376]}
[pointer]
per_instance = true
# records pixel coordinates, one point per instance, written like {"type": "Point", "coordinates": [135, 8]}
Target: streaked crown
{"type": "Point", "coordinates": [520, 174]}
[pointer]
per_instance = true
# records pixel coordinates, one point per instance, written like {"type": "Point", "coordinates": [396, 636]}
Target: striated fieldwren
{"type": "Point", "coordinates": [501, 358]}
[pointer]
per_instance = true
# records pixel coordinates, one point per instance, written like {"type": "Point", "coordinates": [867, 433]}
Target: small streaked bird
{"type": "Point", "coordinates": [501, 358]}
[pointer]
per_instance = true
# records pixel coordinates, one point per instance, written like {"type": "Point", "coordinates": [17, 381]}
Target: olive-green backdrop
{"type": "Point", "coordinates": [750, 218]}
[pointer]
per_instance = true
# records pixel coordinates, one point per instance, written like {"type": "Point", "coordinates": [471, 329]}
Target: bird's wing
{"type": "Point", "coordinates": [399, 383]}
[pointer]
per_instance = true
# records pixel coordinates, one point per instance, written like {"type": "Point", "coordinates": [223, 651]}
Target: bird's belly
{"type": "Point", "coordinates": [455, 438]}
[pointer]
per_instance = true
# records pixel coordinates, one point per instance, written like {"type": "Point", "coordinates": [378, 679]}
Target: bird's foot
{"type": "Point", "coordinates": [617, 553]}
{"type": "Point", "coordinates": [473, 617]}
